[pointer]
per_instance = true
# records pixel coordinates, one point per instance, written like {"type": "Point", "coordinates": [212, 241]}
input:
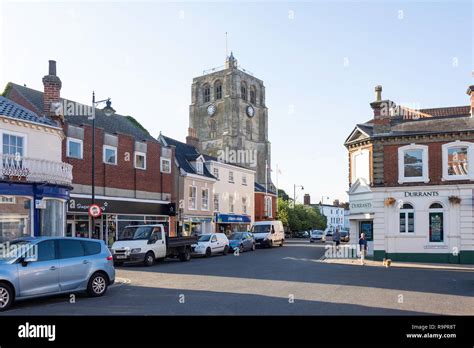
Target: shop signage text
{"type": "Point", "coordinates": [422, 194]}
{"type": "Point", "coordinates": [361, 206]}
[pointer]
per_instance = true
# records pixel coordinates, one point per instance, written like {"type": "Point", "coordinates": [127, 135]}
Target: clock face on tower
{"type": "Point", "coordinates": [211, 109]}
{"type": "Point", "coordinates": [250, 111]}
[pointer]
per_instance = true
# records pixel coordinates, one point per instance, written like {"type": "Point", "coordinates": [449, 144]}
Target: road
{"type": "Point", "coordinates": [287, 280]}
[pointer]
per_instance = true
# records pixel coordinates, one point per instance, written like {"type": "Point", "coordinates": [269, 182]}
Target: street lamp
{"type": "Point", "coordinates": [108, 111]}
{"type": "Point", "coordinates": [294, 194]}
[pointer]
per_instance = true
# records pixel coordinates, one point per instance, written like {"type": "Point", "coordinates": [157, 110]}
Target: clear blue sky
{"type": "Point", "coordinates": [319, 60]}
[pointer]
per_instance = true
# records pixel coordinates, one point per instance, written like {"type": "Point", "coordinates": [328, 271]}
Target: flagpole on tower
{"type": "Point", "coordinates": [226, 55]}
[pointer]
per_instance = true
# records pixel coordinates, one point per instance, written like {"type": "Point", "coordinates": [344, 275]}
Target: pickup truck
{"type": "Point", "coordinates": [148, 243]}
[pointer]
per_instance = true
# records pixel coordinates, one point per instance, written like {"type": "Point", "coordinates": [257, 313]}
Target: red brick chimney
{"type": "Point", "coordinates": [52, 94]}
{"type": "Point", "coordinates": [307, 199]}
{"type": "Point", "coordinates": [192, 138]}
{"type": "Point", "coordinates": [382, 110]}
{"type": "Point", "coordinates": [470, 92]}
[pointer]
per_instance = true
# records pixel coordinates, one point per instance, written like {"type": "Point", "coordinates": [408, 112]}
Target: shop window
{"type": "Point", "coordinates": [192, 197]}
{"type": "Point", "coordinates": [413, 164]}
{"type": "Point", "coordinates": [456, 161]}
{"type": "Point", "coordinates": [140, 160]}
{"type": "Point", "coordinates": [53, 218]}
{"type": "Point", "coordinates": [74, 148]}
{"type": "Point", "coordinates": [436, 221]}
{"type": "Point", "coordinates": [407, 219]}
{"type": "Point", "coordinates": [15, 218]}
{"type": "Point", "coordinates": [205, 198]}
{"type": "Point", "coordinates": [110, 154]}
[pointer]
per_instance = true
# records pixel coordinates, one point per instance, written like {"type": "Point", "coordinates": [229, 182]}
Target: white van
{"type": "Point", "coordinates": [268, 233]}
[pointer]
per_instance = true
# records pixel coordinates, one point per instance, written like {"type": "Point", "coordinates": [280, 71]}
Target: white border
{"type": "Point", "coordinates": [108, 147]}
{"type": "Point", "coordinates": [470, 160]}
{"type": "Point", "coordinates": [401, 162]}
{"type": "Point", "coordinates": [80, 141]}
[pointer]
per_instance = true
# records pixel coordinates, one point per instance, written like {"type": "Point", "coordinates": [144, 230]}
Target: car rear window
{"type": "Point", "coordinates": [70, 248]}
{"type": "Point", "coordinates": [91, 248]}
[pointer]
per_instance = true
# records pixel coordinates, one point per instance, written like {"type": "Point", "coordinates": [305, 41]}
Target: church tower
{"type": "Point", "coordinates": [229, 118]}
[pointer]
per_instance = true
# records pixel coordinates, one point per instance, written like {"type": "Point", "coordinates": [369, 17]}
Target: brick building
{"type": "Point", "coordinates": [416, 170]}
{"type": "Point", "coordinates": [265, 203]}
{"type": "Point", "coordinates": [133, 172]}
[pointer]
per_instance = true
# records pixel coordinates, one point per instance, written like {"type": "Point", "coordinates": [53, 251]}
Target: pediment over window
{"type": "Point", "coordinates": [357, 134]}
{"type": "Point", "coordinates": [360, 186]}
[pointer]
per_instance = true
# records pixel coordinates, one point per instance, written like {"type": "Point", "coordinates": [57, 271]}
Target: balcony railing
{"type": "Point", "coordinates": [17, 168]}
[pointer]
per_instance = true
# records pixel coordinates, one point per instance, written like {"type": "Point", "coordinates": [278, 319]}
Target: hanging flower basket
{"type": "Point", "coordinates": [390, 201]}
{"type": "Point", "coordinates": [454, 200]}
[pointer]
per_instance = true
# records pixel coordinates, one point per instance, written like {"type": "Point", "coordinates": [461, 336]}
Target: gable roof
{"type": "Point", "coordinates": [13, 110]}
{"type": "Point", "coordinates": [115, 124]}
{"type": "Point", "coordinates": [185, 154]}
{"type": "Point", "coordinates": [360, 132]}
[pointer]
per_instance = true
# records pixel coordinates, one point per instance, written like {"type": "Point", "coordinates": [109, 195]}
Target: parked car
{"type": "Point", "coordinates": [328, 232]}
{"type": "Point", "coordinates": [344, 236]}
{"type": "Point", "coordinates": [209, 244]}
{"type": "Point", "coordinates": [147, 243]}
{"type": "Point", "coordinates": [317, 236]}
{"type": "Point", "coordinates": [268, 233]}
{"type": "Point", "coordinates": [242, 241]}
{"type": "Point", "coordinates": [42, 266]}
{"type": "Point", "coordinates": [301, 234]}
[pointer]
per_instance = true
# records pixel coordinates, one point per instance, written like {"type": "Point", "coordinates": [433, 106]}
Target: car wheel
{"type": "Point", "coordinates": [6, 296]}
{"type": "Point", "coordinates": [270, 244]}
{"type": "Point", "coordinates": [282, 242]}
{"type": "Point", "coordinates": [253, 247]}
{"type": "Point", "coordinates": [226, 250]}
{"type": "Point", "coordinates": [149, 259]}
{"type": "Point", "coordinates": [241, 248]}
{"type": "Point", "coordinates": [186, 256]}
{"type": "Point", "coordinates": [208, 252]}
{"type": "Point", "coordinates": [98, 284]}
{"type": "Point", "coordinates": [118, 264]}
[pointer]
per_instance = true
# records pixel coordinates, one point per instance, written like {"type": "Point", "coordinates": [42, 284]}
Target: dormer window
{"type": "Point", "coordinates": [413, 164]}
{"type": "Point", "coordinates": [456, 161]}
{"type": "Point", "coordinates": [199, 167]}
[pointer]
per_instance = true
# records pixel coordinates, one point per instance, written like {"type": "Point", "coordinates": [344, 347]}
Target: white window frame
{"type": "Point", "coordinates": [216, 172]}
{"type": "Point", "coordinates": [202, 199]}
{"type": "Point", "coordinates": [244, 180]}
{"type": "Point", "coordinates": [437, 210]}
{"type": "Point", "coordinates": [8, 200]}
{"type": "Point", "coordinates": [231, 176]}
{"type": "Point", "coordinates": [231, 204]}
{"type": "Point", "coordinates": [199, 167]}
{"type": "Point", "coordinates": [470, 160]}
{"type": "Point", "coordinates": [216, 198]}
{"type": "Point", "coordinates": [16, 134]}
{"type": "Point", "coordinates": [406, 212]}
{"type": "Point", "coordinates": [190, 198]}
{"type": "Point", "coordinates": [80, 142]}
{"type": "Point", "coordinates": [167, 160]}
{"type": "Point", "coordinates": [401, 164]}
{"type": "Point", "coordinates": [138, 153]}
{"type": "Point", "coordinates": [268, 206]}
{"type": "Point", "coordinates": [108, 147]}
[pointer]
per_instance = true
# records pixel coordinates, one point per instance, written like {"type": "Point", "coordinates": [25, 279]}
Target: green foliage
{"type": "Point", "coordinates": [282, 194]}
{"type": "Point", "coordinates": [137, 124]}
{"type": "Point", "coordinates": [301, 217]}
{"type": "Point", "coordinates": [7, 89]}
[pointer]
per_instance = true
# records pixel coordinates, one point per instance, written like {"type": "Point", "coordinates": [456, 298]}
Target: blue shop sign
{"type": "Point", "coordinates": [232, 218]}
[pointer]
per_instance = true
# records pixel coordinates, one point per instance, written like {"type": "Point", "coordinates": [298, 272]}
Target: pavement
{"type": "Point", "coordinates": [289, 280]}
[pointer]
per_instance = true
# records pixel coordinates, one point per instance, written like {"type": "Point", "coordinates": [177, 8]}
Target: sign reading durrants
{"type": "Point", "coordinates": [422, 194]}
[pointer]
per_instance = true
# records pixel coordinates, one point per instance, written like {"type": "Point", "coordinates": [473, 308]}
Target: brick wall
{"type": "Point", "coordinates": [435, 163]}
{"type": "Point", "coordinates": [260, 207]}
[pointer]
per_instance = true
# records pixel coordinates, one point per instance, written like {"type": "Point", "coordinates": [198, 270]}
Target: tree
{"type": "Point", "coordinates": [300, 217]}
{"type": "Point", "coordinates": [283, 195]}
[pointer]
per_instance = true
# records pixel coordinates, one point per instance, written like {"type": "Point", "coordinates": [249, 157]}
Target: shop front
{"type": "Point", "coordinates": [425, 224]}
{"type": "Point", "coordinates": [117, 213]}
{"type": "Point", "coordinates": [229, 223]}
{"type": "Point", "coordinates": [32, 209]}
{"type": "Point", "coordinates": [361, 214]}
{"type": "Point", "coordinates": [196, 225]}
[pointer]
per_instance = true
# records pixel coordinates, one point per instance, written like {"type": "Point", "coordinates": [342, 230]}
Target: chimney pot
{"type": "Point", "coordinates": [378, 93]}
{"type": "Point", "coordinates": [52, 68]}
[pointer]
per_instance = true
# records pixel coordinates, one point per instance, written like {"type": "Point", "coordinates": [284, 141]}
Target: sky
{"type": "Point", "coordinates": [319, 60]}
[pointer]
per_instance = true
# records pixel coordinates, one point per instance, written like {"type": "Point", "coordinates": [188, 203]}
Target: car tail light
{"type": "Point", "coordinates": [110, 258]}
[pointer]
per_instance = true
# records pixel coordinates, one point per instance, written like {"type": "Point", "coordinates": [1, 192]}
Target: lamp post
{"type": "Point", "coordinates": [294, 194]}
{"type": "Point", "coordinates": [108, 111]}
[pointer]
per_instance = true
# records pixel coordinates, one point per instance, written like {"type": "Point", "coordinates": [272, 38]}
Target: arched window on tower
{"type": "Point", "coordinates": [207, 93]}
{"type": "Point", "coordinates": [243, 91]}
{"type": "Point", "coordinates": [248, 129]}
{"type": "Point", "coordinates": [218, 89]}
{"type": "Point", "coordinates": [253, 95]}
{"type": "Point", "coordinates": [212, 128]}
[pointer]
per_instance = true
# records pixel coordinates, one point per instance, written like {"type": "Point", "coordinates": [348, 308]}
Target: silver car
{"type": "Point", "coordinates": [42, 266]}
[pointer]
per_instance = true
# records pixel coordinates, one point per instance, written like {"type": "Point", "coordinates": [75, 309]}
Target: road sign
{"type": "Point", "coordinates": [95, 211]}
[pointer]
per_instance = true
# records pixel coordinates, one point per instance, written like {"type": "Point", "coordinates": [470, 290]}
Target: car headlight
{"type": "Point", "coordinates": [134, 251]}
